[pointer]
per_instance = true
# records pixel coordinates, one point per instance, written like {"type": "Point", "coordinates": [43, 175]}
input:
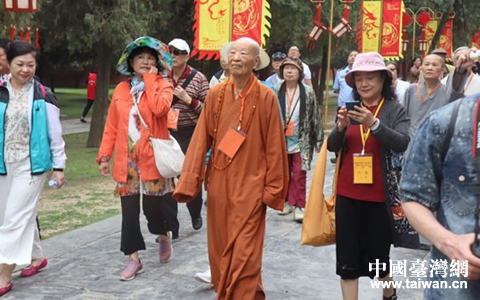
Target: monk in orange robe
{"type": "Point", "coordinates": [240, 186]}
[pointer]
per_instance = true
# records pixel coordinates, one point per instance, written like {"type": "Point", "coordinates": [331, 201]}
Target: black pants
{"type": "Point", "coordinates": [87, 107]}
{"type": "Point", "coordinates": [131, 237]}
{"type": "Point", "coordinates": [183, 136]}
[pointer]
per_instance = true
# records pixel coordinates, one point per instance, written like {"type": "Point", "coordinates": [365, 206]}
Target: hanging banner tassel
{"type": "Point", "coordinates": [27, 35]}
{"type": "Point", "coordinates": [317, 29]}
{"type": "Point", "coordinates": [21, 33]}
{"type": "Point", "coordinates": [37, 39]}
{"type": "Point", "coordinates": [12, 32]}
{"type": "Point", "coordinates": [344, 25]}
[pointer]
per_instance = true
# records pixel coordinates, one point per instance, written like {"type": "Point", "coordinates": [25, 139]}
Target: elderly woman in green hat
{"type": "Point", "coordinates": [145, 60]}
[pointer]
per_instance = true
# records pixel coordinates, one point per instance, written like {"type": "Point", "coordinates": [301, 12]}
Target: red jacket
{"type": "Point", "coordinates": [154, 106]}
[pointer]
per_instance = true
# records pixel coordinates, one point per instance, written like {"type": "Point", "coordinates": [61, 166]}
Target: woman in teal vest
{"type": "Point", "coordinates": [31, 145]}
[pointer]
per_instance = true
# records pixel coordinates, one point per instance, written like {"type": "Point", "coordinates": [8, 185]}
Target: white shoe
{"type": "Point", "coordinates": [287, 209]}
{"type": "Point", "coordinates": [205, 277]}
{"type": "Point", "coordinates": [298, 215]}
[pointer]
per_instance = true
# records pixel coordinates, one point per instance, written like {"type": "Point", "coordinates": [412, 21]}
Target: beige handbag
{"type": "Point", "coordinates": [318, 227]}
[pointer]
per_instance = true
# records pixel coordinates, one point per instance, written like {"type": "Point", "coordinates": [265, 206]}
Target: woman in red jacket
{"type": "Point", "coordinates": [134, 170]}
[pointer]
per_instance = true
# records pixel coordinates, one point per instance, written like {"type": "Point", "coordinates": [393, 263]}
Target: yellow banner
{"type": "Point", "coordinates": [214, 25]}
{"type": "Point", "coordinates": [371, 35]}
{"type": "Point", "coordinates": [430, 29]}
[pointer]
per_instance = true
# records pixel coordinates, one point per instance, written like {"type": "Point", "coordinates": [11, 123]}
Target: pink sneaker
{"type": "Point", "coordinates": [32, 270]}
{"type": "Point", "coordinates": [133, 268]}
{"type": "Point", "coordinates": [165, 248]}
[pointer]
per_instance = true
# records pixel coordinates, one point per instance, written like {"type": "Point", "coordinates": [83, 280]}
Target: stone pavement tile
{"type": "Point", "coordinates": [85, 264]}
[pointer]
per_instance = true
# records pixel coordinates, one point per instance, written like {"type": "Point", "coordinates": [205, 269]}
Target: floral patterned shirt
{"type": "Point", "coordinates": [17, 129]}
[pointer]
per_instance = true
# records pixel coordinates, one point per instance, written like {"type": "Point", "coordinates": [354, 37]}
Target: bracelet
{"type": "Point", "coordinates": [375, 125]}
{"type": "Point", "coordinates": [104, 158]}
{"type": "Point", "coordinates": [57, 170]}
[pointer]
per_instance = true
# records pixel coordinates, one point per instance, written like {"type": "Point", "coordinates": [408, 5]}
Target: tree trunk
{"type": "Point", "coordinates": [323, 75]}
{"type": "Point", "coordinates": [102, 101]}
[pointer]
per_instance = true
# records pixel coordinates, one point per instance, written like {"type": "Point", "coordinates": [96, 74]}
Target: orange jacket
{"type": "Point", "coordinates": [154, 106]}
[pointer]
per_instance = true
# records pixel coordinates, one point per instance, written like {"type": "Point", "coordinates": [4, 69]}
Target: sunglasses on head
{"type": "Point", "coordinates": [177, 52]}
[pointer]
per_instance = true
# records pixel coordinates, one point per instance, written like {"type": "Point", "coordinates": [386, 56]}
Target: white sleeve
{"type": "Point", "coordinates": [57, 144]}
{"type": "Point", "coordinates": [307, 72]}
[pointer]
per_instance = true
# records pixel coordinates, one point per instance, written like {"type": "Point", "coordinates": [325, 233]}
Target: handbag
{"type": "Point", "coordinates": [168, 155]}
{"type": "Point", "coordinates": [318, 228]}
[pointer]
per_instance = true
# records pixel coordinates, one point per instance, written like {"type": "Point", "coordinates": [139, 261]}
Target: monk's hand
{"type": "Point", "coordinates": [465, 59]}
{"type": "Point", "coordinates": [343, 119]}
{"type": "Point", "coordinates": [362, 115]}
{"type": "Point", "coordinates": [182, 95]}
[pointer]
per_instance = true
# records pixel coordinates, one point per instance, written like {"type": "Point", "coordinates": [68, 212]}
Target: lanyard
{"type": "Point", "coordinates": [468, 83]}
{"type": "Point", "coordinates": [428, 94]}
{"type": "Point", "coordinates": [290, 100]}
{"type": "Point", "coordinates": [243, 100]}
{"type": "Point", "coordinates": [367, 135]}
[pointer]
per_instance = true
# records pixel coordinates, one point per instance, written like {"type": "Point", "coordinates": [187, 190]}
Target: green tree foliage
{"type": "Point", "coordinates": [86, 32]}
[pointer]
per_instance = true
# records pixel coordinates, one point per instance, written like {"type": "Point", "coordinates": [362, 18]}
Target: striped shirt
{"type": "Point", "coordinates": [197, 89]}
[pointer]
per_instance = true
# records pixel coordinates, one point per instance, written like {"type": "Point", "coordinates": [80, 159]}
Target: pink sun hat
{"type": "Point", "coordinates": [367, 62]}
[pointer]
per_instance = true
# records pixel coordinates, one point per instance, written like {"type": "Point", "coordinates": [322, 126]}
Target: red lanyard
{"type": "Point", "coordinates": [428, 94]}
{"type": "Point", "coordinates": [243, 100]}
{"type": "Point", "coordinates": [290, 100]}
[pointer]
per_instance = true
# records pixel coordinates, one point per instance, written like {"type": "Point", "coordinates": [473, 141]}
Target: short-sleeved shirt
{"type": "Point", "coordinates": [306, 71]}
{"type": "Point", "coordinates": [449, 188]}
{"type": "Point", "coordinates": [340, 84]}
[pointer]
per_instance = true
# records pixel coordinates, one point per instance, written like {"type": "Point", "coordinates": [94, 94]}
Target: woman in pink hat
{"type": "Point", "coordinates": [368, 211]}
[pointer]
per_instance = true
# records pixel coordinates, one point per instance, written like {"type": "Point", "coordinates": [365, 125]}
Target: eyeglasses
{"type": "Point", "coordinates": [178, 52]}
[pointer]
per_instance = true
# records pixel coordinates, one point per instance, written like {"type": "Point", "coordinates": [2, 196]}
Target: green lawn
{"type": "Point", "coordinates": [87, 198]}
{"type": "Point", "coordinates": [72, 102]}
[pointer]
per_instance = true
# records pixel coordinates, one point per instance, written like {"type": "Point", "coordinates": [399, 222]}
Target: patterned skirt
{"type": "Point", "coordinates": [135, 185]}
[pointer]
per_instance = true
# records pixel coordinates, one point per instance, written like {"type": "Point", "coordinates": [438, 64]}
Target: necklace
{"type": "Point", "coordinates": [216, 117]}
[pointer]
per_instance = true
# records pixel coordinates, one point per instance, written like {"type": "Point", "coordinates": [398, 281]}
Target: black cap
{"type": "Point", "coordinates": [279, 56]}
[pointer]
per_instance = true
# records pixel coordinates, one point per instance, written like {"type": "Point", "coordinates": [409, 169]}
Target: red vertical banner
{"type": "Point", "coordinates": [392, 29]}
{"type": "Point", "coordinates": [446, 38]}
{"type": "Point", "coordinates": [247, 19]}
{"type": "Point", "coordinates": [215, 24]}
{"type": "Point", "coordinates": [476, 40]}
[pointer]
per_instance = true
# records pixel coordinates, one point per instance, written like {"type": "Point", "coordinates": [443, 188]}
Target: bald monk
{"type": "Point", "coordinates": [242, 180]}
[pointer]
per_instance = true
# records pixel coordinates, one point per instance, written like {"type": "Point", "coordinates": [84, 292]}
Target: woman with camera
{"type": "Point", "coordinates": [367, 207]}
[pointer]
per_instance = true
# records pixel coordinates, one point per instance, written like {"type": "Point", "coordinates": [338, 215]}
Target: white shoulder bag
{"type": "Point", "coordinates": [169, 156]}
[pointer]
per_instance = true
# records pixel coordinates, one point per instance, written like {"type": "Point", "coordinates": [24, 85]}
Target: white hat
{"type": "Point", "coordinates": [264, 57]}
{"type": "Point", "coordinates": [180, 45]}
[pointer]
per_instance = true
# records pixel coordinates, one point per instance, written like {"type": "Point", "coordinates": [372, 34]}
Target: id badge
{"type": "Point", "coordinates": [172, 119]}
{"type": "Point", "coordinates": [363, 168]}
{"type": "Point", "coordinates": [289, 131]}
{"type": "Point", "coordinates": [232, 141]}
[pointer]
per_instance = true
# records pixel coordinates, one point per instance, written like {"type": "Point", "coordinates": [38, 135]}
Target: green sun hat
{"type": "Point", "coordinates": [165, 61]}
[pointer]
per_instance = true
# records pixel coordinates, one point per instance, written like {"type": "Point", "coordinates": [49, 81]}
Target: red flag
{"type": "Point", "coordinates": [12, 32]}
{"type": "Point", "coordinates": [27, 36]}
{"type": "Point", "coordinates": [392, 29]}
{"type": "Point", "coordinates": [37, 39]}
{"type": "Point", "coordinates": [446, 38]}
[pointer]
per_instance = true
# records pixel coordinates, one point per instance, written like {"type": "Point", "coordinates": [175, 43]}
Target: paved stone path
{"type": "Point", "coordinates": [85, 263]}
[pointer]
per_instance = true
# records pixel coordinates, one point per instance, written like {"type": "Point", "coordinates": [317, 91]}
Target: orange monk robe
{"type": "Point", "coordinates": [239, 195]}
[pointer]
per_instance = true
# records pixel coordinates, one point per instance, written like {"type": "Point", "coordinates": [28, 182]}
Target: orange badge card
{"type": "Point", "coordinates": [289, 131]}
{"type": "Point", "coordinates": [232, 141]}
{"type": "Point", "coordinates": [363, 168]}
{"type": "Point", "coordinates": [172, 118]}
